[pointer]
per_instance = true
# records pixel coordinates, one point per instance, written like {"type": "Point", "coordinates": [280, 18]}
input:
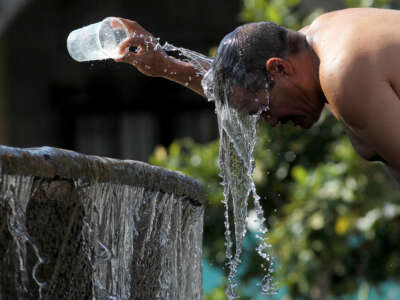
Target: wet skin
{"type": "Point", "coordinates": [158, 60]}
{"type": "Point", "coordinates": [338, 68]}
{"type": "Point", "coordinates": [279, 105]}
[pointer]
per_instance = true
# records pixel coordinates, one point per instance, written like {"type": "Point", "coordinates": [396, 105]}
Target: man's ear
{"type": "Point", "coordinates": [279, 66]}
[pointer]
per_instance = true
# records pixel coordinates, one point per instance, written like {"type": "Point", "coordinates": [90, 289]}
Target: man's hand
{"type": "Point", "coordinates": [151, 59]}
{"type": "Point", "coordinates": [142, 50]}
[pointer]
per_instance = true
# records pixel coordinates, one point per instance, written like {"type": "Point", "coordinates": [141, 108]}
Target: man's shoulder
{"type": "Point", "coordinates": [342, 70]}
{"type": "Point", "coordinates": [347, 81]}
{"type": "Point", "coordinates": [349, 15]}
{"type": "Point", "coordinates": [328, 20]}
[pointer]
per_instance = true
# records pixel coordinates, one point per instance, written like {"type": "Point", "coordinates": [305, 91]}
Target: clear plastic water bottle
{"type": "Point", "coordinates": [97, 41]}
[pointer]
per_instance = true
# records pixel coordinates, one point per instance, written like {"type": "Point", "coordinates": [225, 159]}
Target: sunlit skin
{"type": "Point", "coordinates": [349, 63]}
{"type": "Point", "coordinates": [296, 95]}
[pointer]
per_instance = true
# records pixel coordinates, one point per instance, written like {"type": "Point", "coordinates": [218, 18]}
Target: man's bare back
{"type": "Point", "coordinates": [359, 52]}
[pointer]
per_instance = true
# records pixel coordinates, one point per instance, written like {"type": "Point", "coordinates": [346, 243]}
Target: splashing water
{"type": "Point", "coordinates": [238, 135]}
{"type": "Point", "coordinates": [199, 61]}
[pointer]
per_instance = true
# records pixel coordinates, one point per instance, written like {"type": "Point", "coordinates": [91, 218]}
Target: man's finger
{"type": "Point", "coordinates": [135, 40]}
{"type": "Point", "coordinates": [127, 21]}
{"type": "Point", "coordinates": [130, 58]}
{"type": "Point", "coordinates": [116, 23]}
{"type": "Point", "coordinates": [133, 26]}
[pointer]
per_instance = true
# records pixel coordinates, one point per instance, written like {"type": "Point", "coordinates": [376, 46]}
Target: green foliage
{"type": "Point", "coordinates": [334, 219]}
{"type": "Point", "coordinates": [216, 294]}
{"type": "Point", "coordinates": [368, 3]}
{"type": "Point", "coordinates": [326, 232]}
{"type": "Point", "coordinates": [282, 12]}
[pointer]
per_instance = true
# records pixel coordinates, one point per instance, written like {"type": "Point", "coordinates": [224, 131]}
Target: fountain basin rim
{"type": "Point", "coordinates": [50, 162]}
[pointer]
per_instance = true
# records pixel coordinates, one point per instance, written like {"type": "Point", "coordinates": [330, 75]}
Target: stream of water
{"type": "Point", "coordinates": [238, 136]}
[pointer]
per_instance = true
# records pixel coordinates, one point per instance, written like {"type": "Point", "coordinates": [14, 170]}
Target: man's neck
{"type": "Point", "coordinates": [314, 62]}
{"type": "Point", "coordinates": [307, 62]}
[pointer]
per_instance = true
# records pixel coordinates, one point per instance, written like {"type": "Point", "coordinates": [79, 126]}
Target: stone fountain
{"type": "Point", "coordinates": [74, 226]}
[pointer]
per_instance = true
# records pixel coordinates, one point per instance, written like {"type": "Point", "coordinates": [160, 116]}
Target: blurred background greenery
{"type": "Point", "coordinates": [334, 219]}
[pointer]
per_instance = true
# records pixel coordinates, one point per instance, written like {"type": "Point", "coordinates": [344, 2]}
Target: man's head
{"type": "Point", "coordinates": [265, 68]}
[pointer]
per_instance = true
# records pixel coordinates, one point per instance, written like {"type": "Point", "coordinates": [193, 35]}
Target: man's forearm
{"type": "Point", "coordinates": [153, 60]}
{"type": "Point", "coordinates": [188, 72]}
{"type": "Point", "coordinates": [185, 74]}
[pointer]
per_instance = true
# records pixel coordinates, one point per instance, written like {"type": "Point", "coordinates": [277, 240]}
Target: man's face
{"type": "Point", "coordinates": [284, 103]}
{"type": "Point", "coordinates": [249, 103]}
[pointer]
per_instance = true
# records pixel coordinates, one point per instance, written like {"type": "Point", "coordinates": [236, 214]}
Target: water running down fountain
{"type": "Point", "coordinates": [82, 227]}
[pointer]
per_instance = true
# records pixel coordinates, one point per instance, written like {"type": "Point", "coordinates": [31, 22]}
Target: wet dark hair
{"type": "Point", "coordinates": [242, 54]}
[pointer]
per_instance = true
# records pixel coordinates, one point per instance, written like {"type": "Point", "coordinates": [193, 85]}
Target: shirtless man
{"type": "Point", "coordinates": [347, 61]}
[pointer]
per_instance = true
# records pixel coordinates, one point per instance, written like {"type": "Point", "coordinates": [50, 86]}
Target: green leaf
{"type": "Point", "coordinates": [299, 174]}
{"type": "Point", "coordinates": [272, 14]}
